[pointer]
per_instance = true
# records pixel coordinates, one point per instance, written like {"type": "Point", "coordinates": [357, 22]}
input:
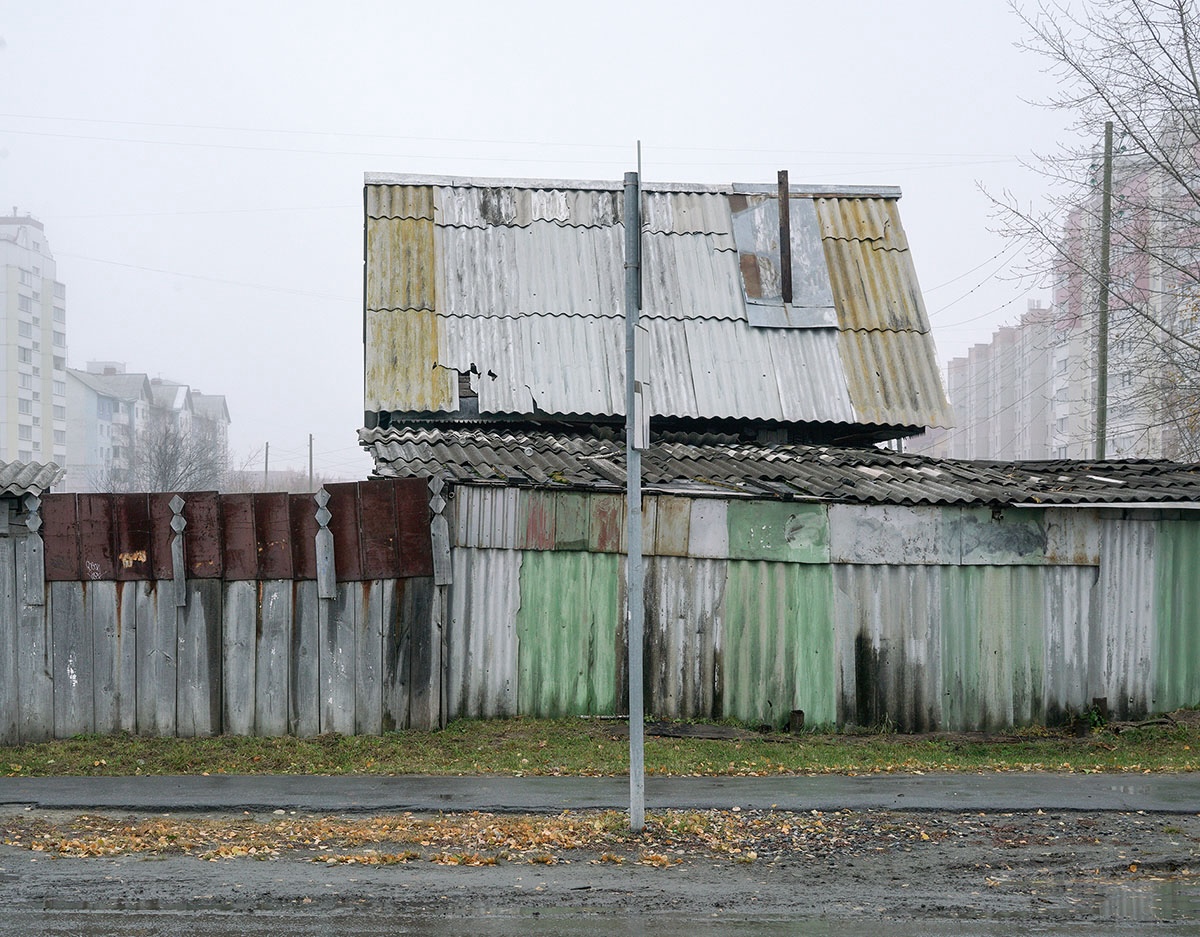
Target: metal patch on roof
{"type": "Point", "coordinates": [756, 231]}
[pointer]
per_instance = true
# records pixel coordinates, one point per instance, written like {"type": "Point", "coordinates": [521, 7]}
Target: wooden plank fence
{"type": "Point", "coordinates": [198, 613]}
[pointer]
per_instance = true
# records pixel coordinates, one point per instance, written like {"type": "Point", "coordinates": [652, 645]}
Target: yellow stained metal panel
{"type": "Point", "coordinates": [400, 201]}
{"type": "Point", "coordinates": [401, 355]}
{"type": "Point", "coordinates": [870, 266]}
{"type": "Point", "coordinates": [893, 379]}
{"type": "Point", "coordinates": [401, 273]}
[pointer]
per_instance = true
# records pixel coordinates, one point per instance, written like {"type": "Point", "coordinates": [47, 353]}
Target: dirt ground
{"type": "Point", "coordinates": [881, 866]}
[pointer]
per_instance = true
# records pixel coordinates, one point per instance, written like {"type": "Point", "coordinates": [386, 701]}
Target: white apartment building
{"type": "Point", "coordinates": [33, 345]}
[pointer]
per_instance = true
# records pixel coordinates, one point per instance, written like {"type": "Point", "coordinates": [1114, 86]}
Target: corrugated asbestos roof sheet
{"type": "Point", "coordinates": [719, 466]}
{"type": "Point", "coordinates": [520, 284]}
{"type": "Point", "coordinates": [19, 478]}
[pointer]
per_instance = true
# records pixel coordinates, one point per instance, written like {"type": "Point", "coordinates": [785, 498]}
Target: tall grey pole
{"type": "Point", "coordinates": [1105, 246]}
{"type": "Point", "coordinates": [633, 499]}
{"type": "Point", "coordinates": [310, 464]}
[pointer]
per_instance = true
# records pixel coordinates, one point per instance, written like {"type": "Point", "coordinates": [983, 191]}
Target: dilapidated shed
{"type": "Point", "coordinates": [862, 586]}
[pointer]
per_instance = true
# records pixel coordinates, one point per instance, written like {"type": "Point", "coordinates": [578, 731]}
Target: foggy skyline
{"type": "Point", "coordinates": [199, 170]}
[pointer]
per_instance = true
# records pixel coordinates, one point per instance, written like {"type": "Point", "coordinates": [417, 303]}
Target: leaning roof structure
{"type": "Point", "coordinates": [708, 465]}
{"type": "Point", "coordinates": [491, 300]}
{"type": "Point", "coordinates": [22, 478]}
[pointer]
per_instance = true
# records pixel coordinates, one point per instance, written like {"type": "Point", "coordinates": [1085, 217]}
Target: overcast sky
{"type": "Point", "coordinates": [199, 167]}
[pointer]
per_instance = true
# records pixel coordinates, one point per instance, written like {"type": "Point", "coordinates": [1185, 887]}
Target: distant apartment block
{"type": "Point", "coordinates": [33, 345]}
{"type": "Point", "coordinates": [129, 431]}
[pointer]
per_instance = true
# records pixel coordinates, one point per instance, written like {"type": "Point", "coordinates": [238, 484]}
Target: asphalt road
{"type": "Point", "coordinates": [1160, 793]}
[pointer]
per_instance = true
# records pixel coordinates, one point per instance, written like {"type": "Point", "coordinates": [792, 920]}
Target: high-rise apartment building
{"type": "Point", "coordinates": [33, 345]}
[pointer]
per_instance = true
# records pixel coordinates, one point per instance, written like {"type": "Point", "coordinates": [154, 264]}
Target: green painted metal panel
{"type": "Point", "coordinates": [778, 646]}
{"type": "Point", "coordinates": [774, 530]}
{"type": "Point", "coordinates": [1177, 611]}
{"type": "Point", "coordinates": [567, 632]}
{"type": "Point", "coordinates": [993, 646]}
{"type": "Point", "coordinates": [572, 520]}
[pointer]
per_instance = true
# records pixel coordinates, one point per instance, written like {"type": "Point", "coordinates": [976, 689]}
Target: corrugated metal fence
{"type": "Point", "coordinates": [201, 613]}
{"type": "Point", "coordinates": [915, 617]}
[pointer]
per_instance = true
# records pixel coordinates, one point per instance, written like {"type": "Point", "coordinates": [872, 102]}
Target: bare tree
{"type": "Point", "coordinates": [167, 457]}
{"type": "Point", "coordinates": [1134, 63]}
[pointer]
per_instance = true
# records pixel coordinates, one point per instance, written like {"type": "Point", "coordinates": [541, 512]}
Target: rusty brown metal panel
{"type": "Point", "coordinates": [605, 533]}
{"type": "Point", "coordinates": [203, 541]}
{"type": "Point", "coordinates": [412, 521]}
{"type": "Point", "coordinates": [95, 521]}
{"type": "Point", "coordinates": [60, 538]}
{"type": "Point", "coordinates": [539, 524]}
{"type": "Point", "coordinates": [377, 522]}
{"type": "Point", "coordinates": [241, 542]}
{"type": "Point", "coordinates": [132, 538]}
{"type": "Point", "coordinates": [343, 506]}
{"type": "Point", "coordinates": [303, 511]}
{"type": "Point", "coordinates": [159, 504]}
{"type": "Point", "coordinates": [273, 530]}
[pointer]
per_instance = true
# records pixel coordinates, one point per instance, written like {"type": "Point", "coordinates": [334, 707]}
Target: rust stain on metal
{"type": "Point", "coordinates": [128, 560]}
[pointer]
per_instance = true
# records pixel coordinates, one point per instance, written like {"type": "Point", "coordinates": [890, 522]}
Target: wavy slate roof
{"type": "Point", "coordinates": [517, 286]}
{"type": "Point", "coordinates": [19, 478]}
{"type": "Point", "coordinates": [720, 465]}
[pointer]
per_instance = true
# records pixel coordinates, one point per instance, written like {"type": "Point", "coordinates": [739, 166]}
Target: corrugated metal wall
{"type": "Point", "coordinates": [917, 617]}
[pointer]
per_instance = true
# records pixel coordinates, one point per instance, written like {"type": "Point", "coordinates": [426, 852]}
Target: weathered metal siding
{"type": "Point", "coordinates": [1177, 613]}
{"type": "Point", "coordinates": [685, 615]}
{"type": "Point", "coordinates": [887, 645]}
{"type": "Point", "coordinates": [481, 638]}
{"type": "Point", "coordinates": [894, 378]}
{"type": "Point", "coordinates": [1121, 657]}
{"type": "Point", "coordinates": [567, 628]}
{"type": "Point", "coordinates": [779, 643]}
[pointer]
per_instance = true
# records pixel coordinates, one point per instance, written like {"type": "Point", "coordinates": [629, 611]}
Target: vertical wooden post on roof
{"type": "Point", "coordinates": [785, 237]}
{"type": "Point", "coordinates": [35, 557]}
{"type": "Point", "coordinates": [178, 569]}
{"type": "Point", "coordinates": [326, 575]}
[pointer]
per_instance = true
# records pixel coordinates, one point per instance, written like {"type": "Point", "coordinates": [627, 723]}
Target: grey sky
{"type": "Point", "coordinates": [199, 167]}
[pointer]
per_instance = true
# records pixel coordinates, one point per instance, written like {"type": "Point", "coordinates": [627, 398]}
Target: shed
{"type": "Point", "coordinates": [863, 586]}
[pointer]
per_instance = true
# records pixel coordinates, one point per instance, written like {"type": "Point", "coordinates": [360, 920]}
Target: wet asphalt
{"type": "Point", "coordinates": [992, 792]}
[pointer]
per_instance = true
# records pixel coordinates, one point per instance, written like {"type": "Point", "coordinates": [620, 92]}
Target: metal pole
{"type": "Point", "coordinates": [266, 465]}
{"type": "Point", "coordinates": [785, 236]}
{"type": "Point", "coordinates": [310, 471]}
{"type": "Point", "coordinates": [1105, 245]}
{"type": "Point", "coordinates": [633, 499]}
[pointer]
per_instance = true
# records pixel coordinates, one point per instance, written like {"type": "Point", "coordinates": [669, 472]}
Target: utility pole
{"type": "Point", "coordinates": [310, 471]}
{"type": "Point", "coordinates": [633, 500]}
{"type": "Point", "coordinates": [1102, 341]}
{"type": "Point", "coordinates": [266, 465]}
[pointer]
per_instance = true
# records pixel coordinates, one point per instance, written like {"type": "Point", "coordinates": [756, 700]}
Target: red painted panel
{"type": "Point", "coordinates": [273, 526]}
{"type": "Point", "coordinates": [60, 538]}
{"type": "Point", "coordinates": [539, 525]}
{"type": "Point", "coordinates": [303, 511]}
{"type": "Point", "coordinates": [96, 536]}
{"type": "Point", "coordinates": [606, 524]}
{"type": "Point", "coordinates": [160, 535]}
{"type": "Point", "coordinates": [343, 505]}
{"type": "Point", "coordinates": [377, 521]}
{"type": "Point", "coordinates": [203, 538]}
{"type": "Point", "coordinates": [413, 517]}
{"type": "Point", "coordinates": [241, 542]}
{"type": "Point", "coordinates": [131, 536]}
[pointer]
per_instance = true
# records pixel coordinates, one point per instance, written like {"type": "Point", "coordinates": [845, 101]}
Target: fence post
{"type": "Point", "coordinates": [326, 572]}
{"type": "Point", "coordinates": [35, 558]}
{"type": "Point", "coordinates": [178, 569]}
